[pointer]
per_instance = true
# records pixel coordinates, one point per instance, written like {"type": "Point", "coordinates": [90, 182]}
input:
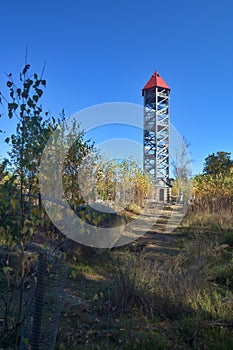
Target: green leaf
{"type": "Point", "coordinates": [27, 66]}
{"type": "Point", "coordinates": [39, 92]}
{"type": "Point", "coordinates": [18, 91]}
{"type": "Point", "coordinates": [12, 107]}
{"type": "Point", "coordinates": [14, 203]}
{"type": "Point", "coordinates": [35, 98]}
{"type": "Point", "coordinates": [26, 341]}
{"type": "Point", "coordinates": [30, 103]}
{"type": "Point", "coordinates": [7, 140]}
{"type": "Point", "coordinates": [9, 83]}
{"type": "Point", "coordinates": [7, 269]}
{"type": "Point", "coordinates": [27, 84]}
{"type": "Point", "coordinates": [25, 94]}
{"type": "Point", "coordinates": [73, 273]}
{"type": "Point", "coordinates": [22, 107]}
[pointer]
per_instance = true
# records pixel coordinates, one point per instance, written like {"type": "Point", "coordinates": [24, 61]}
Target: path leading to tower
{"type": "Point", "coordinates": [162, 237]}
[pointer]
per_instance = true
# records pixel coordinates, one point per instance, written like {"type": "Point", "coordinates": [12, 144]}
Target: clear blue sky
{"type": "Point", "coordinates": [105, 51]}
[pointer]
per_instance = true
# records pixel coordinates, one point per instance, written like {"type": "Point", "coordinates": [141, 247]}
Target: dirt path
{"type": "Point", "coordinates": [164, 236]}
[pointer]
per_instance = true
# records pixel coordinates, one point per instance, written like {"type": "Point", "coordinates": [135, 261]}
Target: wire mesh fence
{"type": "Point", "coordinates": [42, 316]}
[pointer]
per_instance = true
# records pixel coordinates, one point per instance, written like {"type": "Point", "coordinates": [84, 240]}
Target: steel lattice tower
{"type": "Point", "coordinates": [156, 134]}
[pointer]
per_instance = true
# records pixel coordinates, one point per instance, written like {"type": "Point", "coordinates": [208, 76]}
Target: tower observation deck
{"type": "Point", "coordinates": [156, 134]}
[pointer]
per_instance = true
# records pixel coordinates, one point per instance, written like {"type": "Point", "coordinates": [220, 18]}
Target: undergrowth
{"type": "Point", "coordinates": [183, 302]}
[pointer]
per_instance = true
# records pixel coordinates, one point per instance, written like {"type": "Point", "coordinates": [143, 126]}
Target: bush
{"type": "Point", "coordinates": [227, 238]}
{"type": "Point", "coordinates": [130, 289]}
{"type": "Point", "coordinates": [134, 208]}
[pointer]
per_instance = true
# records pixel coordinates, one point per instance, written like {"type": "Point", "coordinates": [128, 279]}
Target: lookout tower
{"type": "Point", "coordinates": [156, 134]}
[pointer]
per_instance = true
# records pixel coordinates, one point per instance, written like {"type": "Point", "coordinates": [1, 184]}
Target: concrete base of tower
{"type": "Point", "coordinates": [163, 191]}
{"type": "Point", "coordinates": [163, 194]}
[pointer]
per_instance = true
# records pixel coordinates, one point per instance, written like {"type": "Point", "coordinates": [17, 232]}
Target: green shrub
{"type": "Point", "coordinates": [227, 238]}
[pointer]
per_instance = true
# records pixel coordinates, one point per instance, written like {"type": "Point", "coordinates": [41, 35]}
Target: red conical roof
{"type": "Point", "coordinates": [154, 81]}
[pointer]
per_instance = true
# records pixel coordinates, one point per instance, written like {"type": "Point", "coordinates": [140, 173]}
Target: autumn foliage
{"type": "Point", "coordinates": [213, 190]}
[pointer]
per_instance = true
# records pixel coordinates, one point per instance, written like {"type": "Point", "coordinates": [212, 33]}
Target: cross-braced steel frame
{"type": "Point", "coordinates": [156, 133]}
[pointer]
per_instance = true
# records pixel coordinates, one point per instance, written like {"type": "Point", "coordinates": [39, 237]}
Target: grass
{"type": "Point", "coordinates": [220, 221]}
{"type": "Point", "coordinates": [141, 304]}
{"type": "Point", "coordinates": [126, 299]}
